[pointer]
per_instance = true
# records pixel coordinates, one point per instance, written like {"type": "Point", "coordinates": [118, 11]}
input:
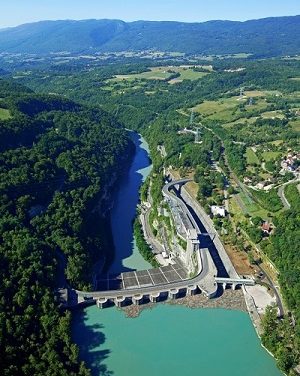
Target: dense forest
{"type": "Point", "coordinates": [266, 37]}
{"type": "Point", "coordinates": [58, 162]}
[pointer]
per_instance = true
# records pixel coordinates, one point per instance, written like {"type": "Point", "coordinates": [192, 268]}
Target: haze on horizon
{"type": "Point", "coordinates": [16, 12]}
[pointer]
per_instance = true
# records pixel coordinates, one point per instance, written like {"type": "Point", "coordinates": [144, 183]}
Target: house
{"type": "Point", "coordinates": [266, 228]}
{"type": "Point", "coordinates": [218, 210]}
{"type": "Point", "coordinates": [268, 187]}
{"type": "Point", "coordinates": [260, 185]}
{"type": "Point", "coordinates": [247, 180]}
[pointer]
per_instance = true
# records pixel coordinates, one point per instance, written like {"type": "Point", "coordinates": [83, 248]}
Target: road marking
{"type": "Point", "coordinates": [177, 273]}
{"type": "Point", "coordinates": [164, 274]}
{"type": "Point", "coordinates": [137, 279]}
{"type": "Point", "coordinates": [151, 278]}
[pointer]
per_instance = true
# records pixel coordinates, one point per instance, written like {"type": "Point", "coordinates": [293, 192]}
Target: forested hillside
{"type": "Point", "coordinates": [58, 159]}
{"type": "Point", "coordinates": [265, 37]}
{"type": "Point", "coordinates": [265, 118]}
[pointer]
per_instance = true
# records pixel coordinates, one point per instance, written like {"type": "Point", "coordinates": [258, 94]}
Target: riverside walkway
{"type": "Point", "coordinates": [169, 281]}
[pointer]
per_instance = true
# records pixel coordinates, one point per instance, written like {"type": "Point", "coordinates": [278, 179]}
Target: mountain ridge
{"type": "Point", "coordinates": [274, 36]}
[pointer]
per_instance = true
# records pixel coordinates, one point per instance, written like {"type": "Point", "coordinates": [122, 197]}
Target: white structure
{"type": "Point", "coordinates": [193, 245]}
{"type": "Point", "coordinates": [218, 210]}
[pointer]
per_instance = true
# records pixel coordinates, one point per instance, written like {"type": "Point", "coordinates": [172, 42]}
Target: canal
{"type": "Point", "coordinates": [166, 340]}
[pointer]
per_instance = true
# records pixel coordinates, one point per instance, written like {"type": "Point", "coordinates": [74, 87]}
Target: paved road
{"type": "Point", "coordinates": [274, 288]}
{"type": "Point", "coordinates": [281, 194]}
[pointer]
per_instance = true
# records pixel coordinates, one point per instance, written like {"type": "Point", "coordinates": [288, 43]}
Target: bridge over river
{"type": "Point", "coordinates": [167, 282]}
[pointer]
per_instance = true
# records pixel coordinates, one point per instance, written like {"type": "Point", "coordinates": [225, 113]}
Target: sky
{"type": "Point", "coordinates": [16, 12]}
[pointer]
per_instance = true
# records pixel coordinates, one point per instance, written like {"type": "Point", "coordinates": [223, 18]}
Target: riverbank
{"type": "Point", "coordinates": [109, 343]}
{"type": "Point", "coordinates": [230, 299]}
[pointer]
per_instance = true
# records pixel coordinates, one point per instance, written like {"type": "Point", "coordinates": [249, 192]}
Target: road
{"type": "Point", "coordinates": [281, 194]}
{"type": "Point", "coordinates": [274, 288]}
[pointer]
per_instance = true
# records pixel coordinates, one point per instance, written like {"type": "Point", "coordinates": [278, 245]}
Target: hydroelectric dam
{"type": "Point", "coordinates": [195, 271]}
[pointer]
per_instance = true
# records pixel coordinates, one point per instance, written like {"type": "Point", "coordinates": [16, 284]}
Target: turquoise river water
{"type": "Point", "coordinates": [166, 340]}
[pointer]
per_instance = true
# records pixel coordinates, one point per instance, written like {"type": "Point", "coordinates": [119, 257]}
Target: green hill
{"type": "Point", "coordinates": [265, 37]}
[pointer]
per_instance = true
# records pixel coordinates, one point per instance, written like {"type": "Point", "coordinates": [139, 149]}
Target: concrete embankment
{"type": "Point", "coordinates": [253, 312]}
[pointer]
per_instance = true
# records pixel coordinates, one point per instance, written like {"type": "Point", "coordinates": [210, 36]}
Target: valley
{"type": "Point", "coordinates": [92, 141]}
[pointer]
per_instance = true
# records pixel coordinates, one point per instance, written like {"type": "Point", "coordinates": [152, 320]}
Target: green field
{"type": "Point", "coordinates": [4, 114]}
{"type": "Point", "coordinates": [218, 110]}
{"type": "Point", "coordinates": [226, 109]}
{"type": "Point", "coordinates": [261, 93]}
{"type": "Point", "coordinates": [252, 157]}
{"type": "Point", "coordinates": [295, 124]}
{"type": "Point", "coordinates": [241, 204]}
{"type": "Point", "coordinates": [272, 115]}
{"type": "Point", "coordinates": [270, 155]}
{"type": "Point", "coordinates": [153, 74]}
{"type": "Point", "coordinates": [252, 207]}
{"type": "Point", "coordinates": [163, 73]}
{"type": "Point", "coordinates": [241, 121]}
{"type": "Point", "coordinates": [187, 74]}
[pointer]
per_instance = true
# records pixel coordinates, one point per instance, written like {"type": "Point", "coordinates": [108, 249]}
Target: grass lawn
{"type": "Point", "coordinates": [226, 109]}
{"type": "Point", "coordinates": [241, 121]}
{"type": "Point", "coordinates": [218, 110]}
{"type": "Point", "coordinates": [252, 207]}
{"type": "Point", "coordinates": [252, 157]}
{"type": "Point", "coordinates": [261, 93]}
{"type": "Point", "coordinates": [272, 115]}
{"type": "Point", "coordinates": [277, 142]}
{"type": "Point", "coordinates": [4, 114]}
{"type": "Point", "coordinates": [235, 210]}
{"type": "Point", "coordinates": [295, 124]}
{"type": "Point", "coordinates": [269, 155]}
{"type": "Point", "coordinates": [187, 74]}
{"type": "Point", "coordinates": [161, 73]}
{"type": "Point", "coordinates": [264, 175]}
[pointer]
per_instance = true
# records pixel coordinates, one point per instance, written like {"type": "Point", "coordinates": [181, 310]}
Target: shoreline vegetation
{"type": "Point", "coordinates": [143, 247]}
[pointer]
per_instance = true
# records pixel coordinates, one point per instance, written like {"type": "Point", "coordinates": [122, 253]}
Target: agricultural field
{"type": "Point", "coordinates": [164, 73]}
{"type": "Point", "coordinates": [218, 110]}
{"type": "Point", "coordinates": [241, 205]}
{"type": "Point", "coordinates": [229, 111]}
{"type": "Point", "coordinates": [295, 124]}
{"type": "Point", "coordinates": [153, 74]}
{"type": "Point", "coordinates": [252, 158]}
{"type": "Point", "coordinates": [272, 115]}
{"type": "Point", "coordinates": [4, 114]}
{"type": "Point", "coordinates": [242, 120]}
{"type": "Point", "coordinates": [270, 155]}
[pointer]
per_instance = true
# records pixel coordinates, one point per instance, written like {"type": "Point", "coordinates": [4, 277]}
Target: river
{"type": "Point", "coordinates": [166, 340]}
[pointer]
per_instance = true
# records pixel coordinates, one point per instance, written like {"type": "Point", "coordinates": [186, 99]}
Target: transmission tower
{"type": "Point", "coordinates": [242, 92]}
{"type": "Point", "coordinates": [250, 101]}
